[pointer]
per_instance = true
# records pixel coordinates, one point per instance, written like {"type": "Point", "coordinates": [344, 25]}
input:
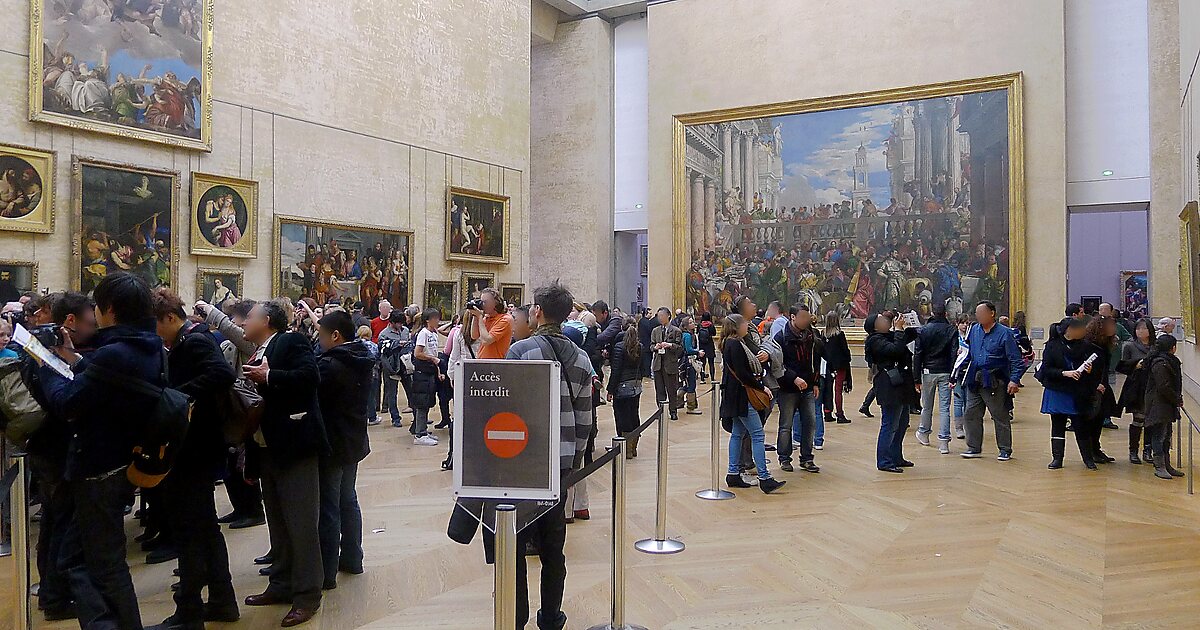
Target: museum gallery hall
{"type": "Point", "coordinates": [599, 314]}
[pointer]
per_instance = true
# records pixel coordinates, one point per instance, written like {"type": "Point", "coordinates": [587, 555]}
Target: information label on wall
{"type": "Point", "coordinates": [506, 430]}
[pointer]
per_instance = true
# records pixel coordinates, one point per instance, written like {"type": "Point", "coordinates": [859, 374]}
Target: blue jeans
{"type": "Point", "coordinates": [340, 525]}
{"type": "Point", "coordinates": [819, 418]}
{"type": "Point", "coordinates": [390, 385]}
{"type": "Point", "coordinates": [373, 396]}
{"type": "Point", "coordinates": [935, 385]}
{"type": "Point", "coordinates": [893, 424]}
{"type": "Point", "coordinates": [749, 424]}
{"type": "Point", "coordinates": [797, 419]}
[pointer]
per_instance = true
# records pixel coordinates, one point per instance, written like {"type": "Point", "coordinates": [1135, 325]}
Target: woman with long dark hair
{"type": "Point", "coordinates": [1102, 333]}
{"type": "Point", "coordinates": [1134, 352]}
{"type": "Point", "coordinates": [743, 372]}
{"type": "Point", "coordinates": [625, 384]}
{"type": "Point", "coordinates": [895, 389]}
{"type": "Point", "coordinates": [837, 364]}
{"type": "Point", "coordinates": [1070, 383]}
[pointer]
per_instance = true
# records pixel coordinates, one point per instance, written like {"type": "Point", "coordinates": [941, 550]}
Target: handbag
{"type": "Point", "coordinates": [759, 398]}
{"type": "Point", "coordinates": [628, 389]}
{"type": "Point", "coordinates": [895, 376]}
{"type": "Point", "coordinates": [242, 409]}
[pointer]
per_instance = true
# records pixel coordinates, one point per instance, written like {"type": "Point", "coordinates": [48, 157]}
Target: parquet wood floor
{"type": "Point", "coordinates": [951, 543]}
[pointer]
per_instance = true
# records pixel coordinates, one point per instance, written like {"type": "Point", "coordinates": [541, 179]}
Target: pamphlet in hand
{"type": "Point", "coordinates": [40, 352]}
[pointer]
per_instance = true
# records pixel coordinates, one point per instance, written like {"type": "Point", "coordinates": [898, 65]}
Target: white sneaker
{"type": "Point", "coordinates": [425, 440]}
{"type": "Point", "coordinates": [818, 447]}
{"type": "Point", "coordinates": [944, 447]}
{"type": "Point", "coordinates": [958, 433]}
{"type": "Point", "coordinates": [374, 421]}
{"type": "Point", "coordinates": [922, 438]}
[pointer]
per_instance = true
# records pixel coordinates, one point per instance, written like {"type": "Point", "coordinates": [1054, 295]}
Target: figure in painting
{"type": "Point", "coordinates": [222, 215]}
{"type": "Point", "coordinates": [19, 195]}
{"type": "Point", "coordinates": [221, 294]}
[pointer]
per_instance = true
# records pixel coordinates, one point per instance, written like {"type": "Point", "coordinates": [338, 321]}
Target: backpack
{"type": "Point", "coordinates": [159, 431]}
{"type": "Point", "coordinates": [20, 413]}
{"type": "Point", "coordinates": [396, 356]}
{"type": "Point", "coordinates": [704, 335]}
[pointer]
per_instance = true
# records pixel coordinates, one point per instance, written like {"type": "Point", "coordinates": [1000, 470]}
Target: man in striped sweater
{"type": "Point", "coordinates": [551, 306]}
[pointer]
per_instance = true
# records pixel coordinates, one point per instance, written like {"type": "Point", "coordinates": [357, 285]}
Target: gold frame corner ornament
{"type": "Point", "coordinates": [77, 164]}
{"type": "Point", "coordinates": [486, 196]}
{"type": "Point", "coordinates": [277, 232]}
{"type": "Point", "coordinates": [38, 113]}
{"type": "Point", "coordinates": [201, 272]}
{"type": "Point", "coordinates": [248, 189]}
{"type": "Point", "coordinates": [1012, 83]}
{"type": "Point", "coordinates": [49, 161]}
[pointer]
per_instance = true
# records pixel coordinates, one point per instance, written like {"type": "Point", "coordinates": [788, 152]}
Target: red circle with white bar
{"type": "Point", "coordinates": [506, 435]}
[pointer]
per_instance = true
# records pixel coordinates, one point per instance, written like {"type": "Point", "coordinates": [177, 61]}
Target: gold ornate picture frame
{"type": "Point", "coordinates": [472, 282]}
{"type": "Point", "coordinates": [474, 232]}
{"type": "Point", "coordinates": [68, 49]}
{"type": "Point", "coordinates": [1189, 268]}
{"type": "Point", "coordinates": [683, 157]}
{"type": "Point", "coordinates": [224, 216]}
{"type": "Point", "coordinates": [16, 278]}
{"type": "Point", "coordinates": [28, 179]}
{"type": "Point", "coordinates": [442, 295]}
{"type": "Point", "coordinates": [123, 217]}
{"type": "Point", "coordinates": [513, 293]}
{"type": "Point", "coordinates": [219, 295]}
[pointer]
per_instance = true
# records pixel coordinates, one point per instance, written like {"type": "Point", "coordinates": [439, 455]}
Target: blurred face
{"type": "Point", "coordinates": [1169, 328]}
{"type": "Point", "coordinates": [433, 322]}
{"type": "Point", "coordinates": [802, 320]}
{"type": "Point", "coordinates": [385, 309]}
{"type": "Point", "coordinates": [1106, 310]}
{"type": "Point", "coordinates": [520, 327]}
{"type": "Point", "coordinates": [749, 309]}
{"type": "Point", "coordinates": [82, 326]}
{"type": "Point", "coordinates": [664, 318]}
{"type": "Point", "coordinates": [256, 327]}
{"type": "Point", "coordinates": [1144, 335]}
{"type": "Point", "coordinates": [491, 305]}
{"type": "Point", "coordinates": [962, 328]}
{"type": "Point", "coordinates": [743, 328]}
{"type": "Point", "coordinates": [883, 324]}
{"type": "Point", "coordinates": [5, 333]}
{"type": "Point", "coordinates": [328, 339]}
{"type": "Point", "coordinates": [984, 315]}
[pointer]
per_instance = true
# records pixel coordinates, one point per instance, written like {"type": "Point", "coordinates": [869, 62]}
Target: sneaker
{"type": "Point", "coordinates": [922, 438]}
{"type": "Point", "coordinates": [786, 467]}
{"type": "Point", "coordinates": [376, 421]}
{"type": "Point", "coordinates": [866, 411]}
{"type": "Point", "coordinates": [750, 478]}
{"type": "Point", "coordinates": [1004, 456]}
{"type": "Point", "coordinates": [944, 447]}
{"type": "Point", "coordinates": [425, 440]}
{"type": "Point", "coordinates": [960, 434]}
{"type": "Point", "coordinates": [972, 455]}
{"type": "Point", "coordinates": [818, 447]}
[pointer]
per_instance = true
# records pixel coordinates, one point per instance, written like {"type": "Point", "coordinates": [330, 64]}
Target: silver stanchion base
{"type": "Point", "coordinates": [608, 626]}
{"type": "Point", "coordinates": [651, 545]}
{"type": "Point", "coordinates": [715, 495]}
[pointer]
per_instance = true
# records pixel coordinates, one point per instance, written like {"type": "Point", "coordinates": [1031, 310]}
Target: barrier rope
{"type": "Point", "coordinates": [585, 472]}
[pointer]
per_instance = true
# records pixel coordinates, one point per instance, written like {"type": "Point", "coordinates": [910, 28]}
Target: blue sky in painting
{"type": "Point", "coordinates": [819, 150]}
{"type": "Point", "coordinates": [121, 62]}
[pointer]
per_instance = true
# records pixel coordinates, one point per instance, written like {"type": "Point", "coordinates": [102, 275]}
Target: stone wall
{"type": "Point", "coordinates": [358, 112]}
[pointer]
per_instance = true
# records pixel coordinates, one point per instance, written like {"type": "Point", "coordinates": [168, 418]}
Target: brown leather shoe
{"type": "Point", "coordinates": [265, 599]}
{"type": "Point", "coordinates": [297, 616]}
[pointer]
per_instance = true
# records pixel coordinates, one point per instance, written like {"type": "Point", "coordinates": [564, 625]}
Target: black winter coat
{"type": "Point", "coordinates": [1063, 355]}
{"type": "Point", "coordinates": [886, 351]}
{"type": "Point", "coordinates": [624, 367]}
{"type": "Point", "coordinates": [936, 347]}
{"type": "Point", "coordinates": [346, 377]}
{"type": "Point", "coordinates": [292, 425]}
{"type": "Point", "coordinates": [197, 368]}
{"type": "Point", "coordinates": [1164, 389]}
{"type": "Point", "coordinates": [734, 401]}
{"type": "Point", "coordinates": [799, 362]}
{"type": "Point", "coordinates": [837, 353]}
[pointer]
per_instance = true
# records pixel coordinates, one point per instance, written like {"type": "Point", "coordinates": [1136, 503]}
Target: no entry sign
{"type": "Point", "coordinates": [506, 430]}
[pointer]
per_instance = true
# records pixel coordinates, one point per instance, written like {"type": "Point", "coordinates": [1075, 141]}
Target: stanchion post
{"type": "Point", "coordinates": [660, 544]}
{"type": "Point", "coordinates": [617, 612]}
{"type": "Point", "coordinates": [1189, 472]}
{"type": "Point", "coordinates": [19, 505]}
{"type": "Point", "coordinates": [1179, 441]}
{"type": "Point", "coordinates": [714, 491]}
{"type": "Point", "coordinates": [505, 584]}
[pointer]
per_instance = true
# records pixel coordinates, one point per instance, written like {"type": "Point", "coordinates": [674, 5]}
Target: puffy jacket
{"type": "Point", "coordinates": [936, 347]}
{"type": "Point", "coordinates": [1164, 389]}
{"type": "Point", "coordinates": [346, 377]}
{"type": "Point", "coordinates": [197, 368]}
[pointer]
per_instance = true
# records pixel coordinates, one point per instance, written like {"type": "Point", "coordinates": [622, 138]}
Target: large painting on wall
{"type": "Point", "coordinates": [476, 226]}
{"type": "Point", "coordinates": [332, 262]}
{"type": "Point", "coordinates": [135, 68]}
{"type": "Point", "coordinates": [27, 178]}
{"type": "Point", "coordinates": [1134, 294]}
{"type": "Point", "coordinates": [125, 221]}
{"type": "Point", "coordinates": [900, 199]}
{"type": "Point", "coordinates": [224, 216]}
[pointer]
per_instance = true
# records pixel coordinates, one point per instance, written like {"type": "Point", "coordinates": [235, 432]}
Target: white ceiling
{"type": "Point", "coordinates": [606, 8]}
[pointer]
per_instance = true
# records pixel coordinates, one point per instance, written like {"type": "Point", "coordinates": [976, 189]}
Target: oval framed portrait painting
{"type": "Point", "coordinates": [26, 189]}
{"type": "Point", "coordinates": [224, 216]}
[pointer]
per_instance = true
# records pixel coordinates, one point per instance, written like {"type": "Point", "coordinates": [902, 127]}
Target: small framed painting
{"type": "Point", "coordinates": [443, 296]}
{"type": "Point", "coordinates": [17, 277]}
{"type": "Point", "coordinates": [513, 294]}
{"type": "Point", "coordinates": [1134, 296]}
{"type": "Point", "coordinates": [1091, 303]}
{"type": "Point", "coordinates": [224, 216]}
{"type": "Point", "coordinates": [476, 226]}
{"type": "Point", "coordinates": [644, 260]}
{"type": "Point", "coordinates": [26, 189]}
{"type": "Point", "coordinates": [473, 282]}
{"type": "Point", "coordinates": [219, 287]}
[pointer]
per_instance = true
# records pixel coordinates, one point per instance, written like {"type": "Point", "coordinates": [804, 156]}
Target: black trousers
{"type": "Point", "coordinates": [549, 534]}
{"type": "Point", "coordinates": [710, 360]}
{"type": "Point", "coordinates": [291, 495]}
{"type": "Point", "coordinates": [625, 412]}
{"type": "Point", "coordinates": [869, 399]}
{"type": "Point", "coordinates": [1058, 431]}
{"type": "Point", "coordinates": [93, 555]}
{"type": "Point", "coordinates": [203, 558]}
{"type": "Point", "coordinates": [242, 486]}
{"type": "Point", "coordinates": [54, 591]}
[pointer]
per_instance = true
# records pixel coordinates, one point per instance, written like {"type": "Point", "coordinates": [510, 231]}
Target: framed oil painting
{"type": "Point", "coordinates": [1134, 294]}
{"type": "Point", "coordinates": [644, 260]}
{"type": "Point", "coordinates": [443, 296]}
{"type": "Point", "coordinates": [219, 287]}
{"type": "Point", "coordinates": [902, 199]}
{"type": "Point", "coordinates": [513, 294]}
{"type": "Point", "coordinates": [1189, 268]}
{"type": "Point", "coordinates": [224, 216]}
{"type": "Point", "coordinates": [17, 277]}
{"type": "Point", "coordinates": [27, 179]}
{"type": "Point", "coordinates": [330, 262]}
{"type": "Point", "coordinates": [124, 221]}
{"type": "Point", "coordinates": [476, 226]}
{"type": "Point", "coordinates": [1091, 303]}
{"type": "Point", "coordinates": [473, 282]}
{"type": "Point", "coordinates": [139, 69]}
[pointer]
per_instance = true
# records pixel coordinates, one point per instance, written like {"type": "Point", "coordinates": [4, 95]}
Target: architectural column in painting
{"type": "Point", "coordinates": [697, 212]}
{"type": "Point", "coordinates": [726, 158]}
{"type": "Point", "coordinates": [735, 159]}
{"type": "Point", "coordinates": [748, 173]}
{"type": "Point", "coordinates": [710, 214]}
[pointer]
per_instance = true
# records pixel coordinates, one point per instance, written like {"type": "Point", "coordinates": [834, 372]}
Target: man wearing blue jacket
{"type": "Point", "coordinates": [993, 374]}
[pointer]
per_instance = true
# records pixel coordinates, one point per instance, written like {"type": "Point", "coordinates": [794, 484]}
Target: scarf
{"type": "Point", "coordinates": [549, 330]}
{"type": "Point", "coordinates": [805, 341]}
{"type": "Point", "coordinates": [756, 366]}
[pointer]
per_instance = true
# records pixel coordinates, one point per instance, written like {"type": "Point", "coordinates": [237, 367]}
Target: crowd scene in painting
{"type": "Point", "coordinates": [325, 373]}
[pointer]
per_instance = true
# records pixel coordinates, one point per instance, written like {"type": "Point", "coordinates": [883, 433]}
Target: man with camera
{"type": "Point", "coordinates": [491, 325]}
{"type": "Point", "coordinates": [102, 438]}
{"type": "Point", "coordinates": [197, 368]}
{"type": "Point", "coordinates": [293, 434]}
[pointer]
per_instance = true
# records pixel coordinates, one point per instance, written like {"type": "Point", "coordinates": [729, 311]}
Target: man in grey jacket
{"type": "Point", "coordinates": [666, 342]}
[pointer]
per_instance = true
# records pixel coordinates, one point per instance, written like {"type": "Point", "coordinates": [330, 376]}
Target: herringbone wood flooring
{"type": "Point", "coordinates": [949, 544]}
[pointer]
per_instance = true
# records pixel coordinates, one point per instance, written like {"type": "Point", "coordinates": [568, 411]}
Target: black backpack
{"type": "Point", "coordinates": [159, 430]}
{"type": "Point", "coordinates": [391, 353]}
{"type": "Point", "coordinates": [704, 335]}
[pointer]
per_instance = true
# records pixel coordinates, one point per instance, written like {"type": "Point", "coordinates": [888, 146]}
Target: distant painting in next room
{"type": "Point", "coordinates": [476, 226]}
{"type": "Point", "coordinates": [126, 218]}
{"type": "Point", "coordinates": [902, 199]}
{"type": "Point", "coordinates": [1134, 296]}
{"type": "Point", "coordinates": [135, 68]}
{"type": "Point", "coordinates": [331, 262]}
